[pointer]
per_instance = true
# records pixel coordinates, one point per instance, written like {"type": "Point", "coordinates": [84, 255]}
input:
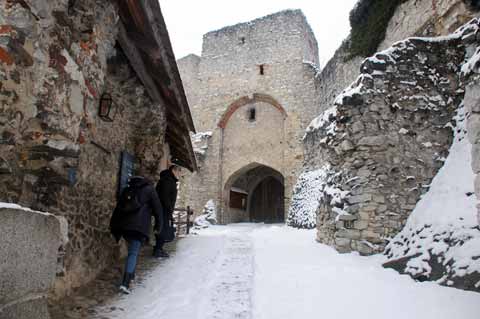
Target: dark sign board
{"type": "Point", "coordinates": [127, 161]}
{"type": "Point", "coordinates": [72, 176]}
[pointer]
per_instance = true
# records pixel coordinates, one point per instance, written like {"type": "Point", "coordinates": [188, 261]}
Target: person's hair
{"type": "Point", "coordinates": [173, 166]}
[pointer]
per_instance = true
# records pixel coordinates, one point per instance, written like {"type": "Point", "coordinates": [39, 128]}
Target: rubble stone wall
{"type": "Point", "coordinates": [472, 106]}
{"type": "Point", "coordinates": [391, 132]}
{"type": "Point", "coordinates": [440, 17]}
{"type": "Point", "coordinates": [57, 58]}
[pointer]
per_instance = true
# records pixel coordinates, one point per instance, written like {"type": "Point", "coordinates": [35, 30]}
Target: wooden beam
{"type": "Point", "coordinates": [176, 119]}
{"type": "Point", "coordinates": [159, 31]}
{"type": "Point", "coordinates": [176, 137]}
{"type": "Point", "coordinates": [147, 46]}
{"type": "Point", "coordinates": [137, 63]}
{"type": "Point", "coordinates": [136, 14]}
{"type": "Point", "coordinates": [182, 154]}
{"type": "Point", "coordinates": [172, 135]}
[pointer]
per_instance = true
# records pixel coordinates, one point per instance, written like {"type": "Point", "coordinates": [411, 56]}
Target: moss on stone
{"type": "Point", "coordinates": [473, 4]}
{"type": "Point", "coordinates": [369, 20]}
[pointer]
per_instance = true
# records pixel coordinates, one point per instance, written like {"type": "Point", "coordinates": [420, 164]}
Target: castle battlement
{"type": "Point", "coordinates": [278, 37]}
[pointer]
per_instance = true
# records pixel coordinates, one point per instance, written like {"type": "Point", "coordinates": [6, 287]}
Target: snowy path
{"type": "Point", "coordinates": [273, 272]}
{"type": "Point", "coordinates": [210, 276]}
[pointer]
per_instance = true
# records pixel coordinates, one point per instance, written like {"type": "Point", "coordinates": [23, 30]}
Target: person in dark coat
{"type": "Point", "coordinates": [167, 192]}
{"type": "Point", "coordinates": [135, 227]}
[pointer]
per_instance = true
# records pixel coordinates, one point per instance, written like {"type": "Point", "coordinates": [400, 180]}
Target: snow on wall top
{"type": "Point", "coordinates": [62, 220]}
{"type": "Point", "coordinates": [16, 206]}
{"type": "Point", "coordinates": [389, 56]}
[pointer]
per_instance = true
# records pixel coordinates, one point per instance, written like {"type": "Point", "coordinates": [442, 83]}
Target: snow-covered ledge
{"type": "Point", "coordinates": [30, 242]}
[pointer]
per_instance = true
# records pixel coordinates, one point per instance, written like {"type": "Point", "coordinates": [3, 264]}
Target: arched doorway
{"type": "Point", "coordinates": [254, 193]}
{"type": "Point", "coordinates": [267, 202]}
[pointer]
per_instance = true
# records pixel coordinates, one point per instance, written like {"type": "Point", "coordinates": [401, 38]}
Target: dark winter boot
{"type": "Point", "coordinates": [160, 253]}
{"type": "Point", "coordinates": [125, 286]}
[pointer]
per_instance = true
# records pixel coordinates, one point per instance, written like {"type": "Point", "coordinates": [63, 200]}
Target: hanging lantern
{"type": "Point", "coordinates": [105, 108]}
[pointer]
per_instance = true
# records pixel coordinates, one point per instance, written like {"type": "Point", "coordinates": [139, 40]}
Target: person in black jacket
{"type": "Point", "coordinates": [135, 227]}
{"type": "Point", "coordinates": [167, 192]}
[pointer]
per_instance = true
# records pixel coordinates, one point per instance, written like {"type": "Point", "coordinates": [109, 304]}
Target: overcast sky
{"type": "Point", "coordinates": [188, 20]}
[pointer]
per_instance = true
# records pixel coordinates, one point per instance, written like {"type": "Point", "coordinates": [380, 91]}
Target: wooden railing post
{"type": "Point", "coordinates": [188, 220]}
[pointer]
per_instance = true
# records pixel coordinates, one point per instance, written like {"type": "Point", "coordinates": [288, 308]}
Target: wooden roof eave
{"type": "Point", "coordinates": [144, 49]}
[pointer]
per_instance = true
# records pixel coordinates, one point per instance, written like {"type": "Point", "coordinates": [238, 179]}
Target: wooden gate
{"type": "Point", "coordinates": [267, 202]}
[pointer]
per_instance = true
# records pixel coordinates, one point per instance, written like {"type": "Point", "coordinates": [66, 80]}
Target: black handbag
{"type": "Point", "coordinates": [168, 233]}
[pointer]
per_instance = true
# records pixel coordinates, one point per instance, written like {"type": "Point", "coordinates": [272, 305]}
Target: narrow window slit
{"type": "Point", "coordinates": [251, 114]}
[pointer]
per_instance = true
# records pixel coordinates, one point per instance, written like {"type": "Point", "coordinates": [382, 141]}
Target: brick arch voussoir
{"type": "Point", "coordinates": [257, 97]}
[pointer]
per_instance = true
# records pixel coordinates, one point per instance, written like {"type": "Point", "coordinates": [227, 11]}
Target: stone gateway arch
{"type": "Point", "coordinates": [255, 193]}
{"type": "Point", "coordinates": [252, 129]}
{"type": "Point", "coordinates": [252, 94]}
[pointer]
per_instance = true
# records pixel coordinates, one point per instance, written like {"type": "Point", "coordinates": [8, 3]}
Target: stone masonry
{"type": "Point", "coordinates": [57, 58]}
{"type": "Point", "coordinates": [228, 62]}
{"type": "Point", "coordinates": [388, 134]}
{"type": "Point", "coordinates": [34, 251]}
{"type": "Point", "coordinates": [268, 64]}
{"type": "Point", "coordinates": [442, 17]}
{"type": "Point", "coordinates": [376, 146]}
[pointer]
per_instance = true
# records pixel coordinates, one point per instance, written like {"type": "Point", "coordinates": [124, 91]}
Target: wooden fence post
{"type": "Point", "coordinates": [188, 220]}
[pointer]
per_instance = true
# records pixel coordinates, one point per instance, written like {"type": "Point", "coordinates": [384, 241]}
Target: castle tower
{"type": "Point", "coordinates": [254, 89]}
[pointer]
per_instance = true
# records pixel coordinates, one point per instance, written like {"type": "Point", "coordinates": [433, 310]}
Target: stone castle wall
{"type": "Point", "coordinates": [390, 134]}
{"type": "Point", "coordinates": [441, 17]}
{"type": "Point", "coordinates": [228, 74]}
{"type": "Point", "coordinates": [228, 71]}
{"type": "Point", "coordinates": [365, 220]}
{"type": "Point", "coordinates": [472, 105]}
{"type": "Point", "coordinates": [56, 154]}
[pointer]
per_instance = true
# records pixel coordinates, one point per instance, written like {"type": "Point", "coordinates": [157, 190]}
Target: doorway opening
{"type": "Point", "coordinates": [255, 193]}
{"type": "Point", "coordinates": [267, 202]}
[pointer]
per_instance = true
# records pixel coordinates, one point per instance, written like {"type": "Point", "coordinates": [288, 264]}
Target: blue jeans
{"type": "Point", "coordinates": [133, 250]}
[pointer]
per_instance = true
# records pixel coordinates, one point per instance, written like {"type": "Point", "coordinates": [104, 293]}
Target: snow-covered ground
{"type": "Point", "coordinates": [274, 272]}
